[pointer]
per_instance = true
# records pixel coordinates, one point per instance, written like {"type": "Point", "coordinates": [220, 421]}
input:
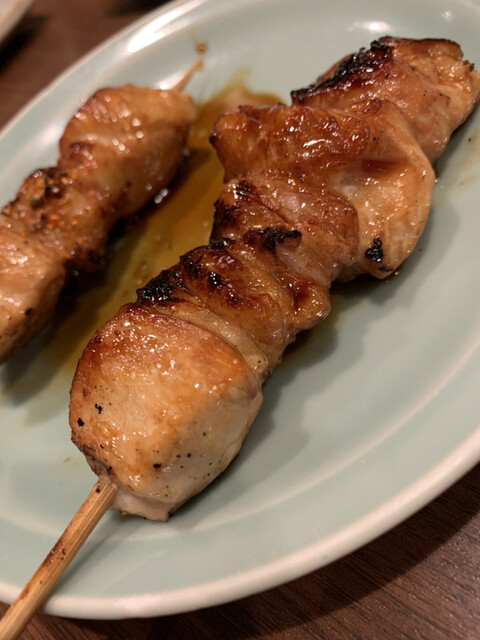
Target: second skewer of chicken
{"type": "Point", "coordinates": [117, 152]}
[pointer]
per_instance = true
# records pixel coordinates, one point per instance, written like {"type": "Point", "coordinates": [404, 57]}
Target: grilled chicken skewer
{"type": "Point", "coordinates": [166, 391]}
{"type": "Point", "coordinates": [118, 150]}
{"type": "Point", "coordinates": [337, 184]}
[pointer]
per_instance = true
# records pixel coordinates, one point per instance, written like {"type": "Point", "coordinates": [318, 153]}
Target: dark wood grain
{"type": "Point", "coordinates": [419, 581]}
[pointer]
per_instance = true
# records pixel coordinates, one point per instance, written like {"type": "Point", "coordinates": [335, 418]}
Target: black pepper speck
{"type": "Point", "coordinates": [375, 252]}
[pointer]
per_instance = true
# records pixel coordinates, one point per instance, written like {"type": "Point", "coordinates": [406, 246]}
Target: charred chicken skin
{"type": "Point", "coordinates": [118, 150]}
{"type": "Point", "coordinates": [337, 184]}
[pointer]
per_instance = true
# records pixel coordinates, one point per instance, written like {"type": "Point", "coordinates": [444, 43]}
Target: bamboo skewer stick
{"type": "Point", "coordinates": [62, 553]}
{"type": "Point", "coordinates": [184, 77]}
{"type": "Point", "coordinates": [197, 66]}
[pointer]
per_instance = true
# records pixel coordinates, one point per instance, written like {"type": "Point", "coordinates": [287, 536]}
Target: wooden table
{"type": "Point", "coordinates": [421, 580]}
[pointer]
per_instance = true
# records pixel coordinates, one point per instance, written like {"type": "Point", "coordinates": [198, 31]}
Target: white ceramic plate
{"type": "Point", "coordinates": [369, 418]}
{"type": "Point", "coordinates": [11, 12]}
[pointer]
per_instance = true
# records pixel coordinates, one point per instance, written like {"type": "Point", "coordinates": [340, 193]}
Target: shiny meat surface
{"type": "Point", "coordinates": [317, 165]}
{"type": "Point", "coordinates": [165, 392]}
{"type": "Point", "coordinates": [24, 261]}
{"type": "Point", "coordinates": [178, 450]}
{"type": "Point", "coordinates": [428, 80]}
{"type": "Point", "coordinates": [119, 149]}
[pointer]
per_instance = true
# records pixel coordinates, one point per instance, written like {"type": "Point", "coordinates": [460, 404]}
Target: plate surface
{"type": "Point", "coordinates": [369, 417]}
